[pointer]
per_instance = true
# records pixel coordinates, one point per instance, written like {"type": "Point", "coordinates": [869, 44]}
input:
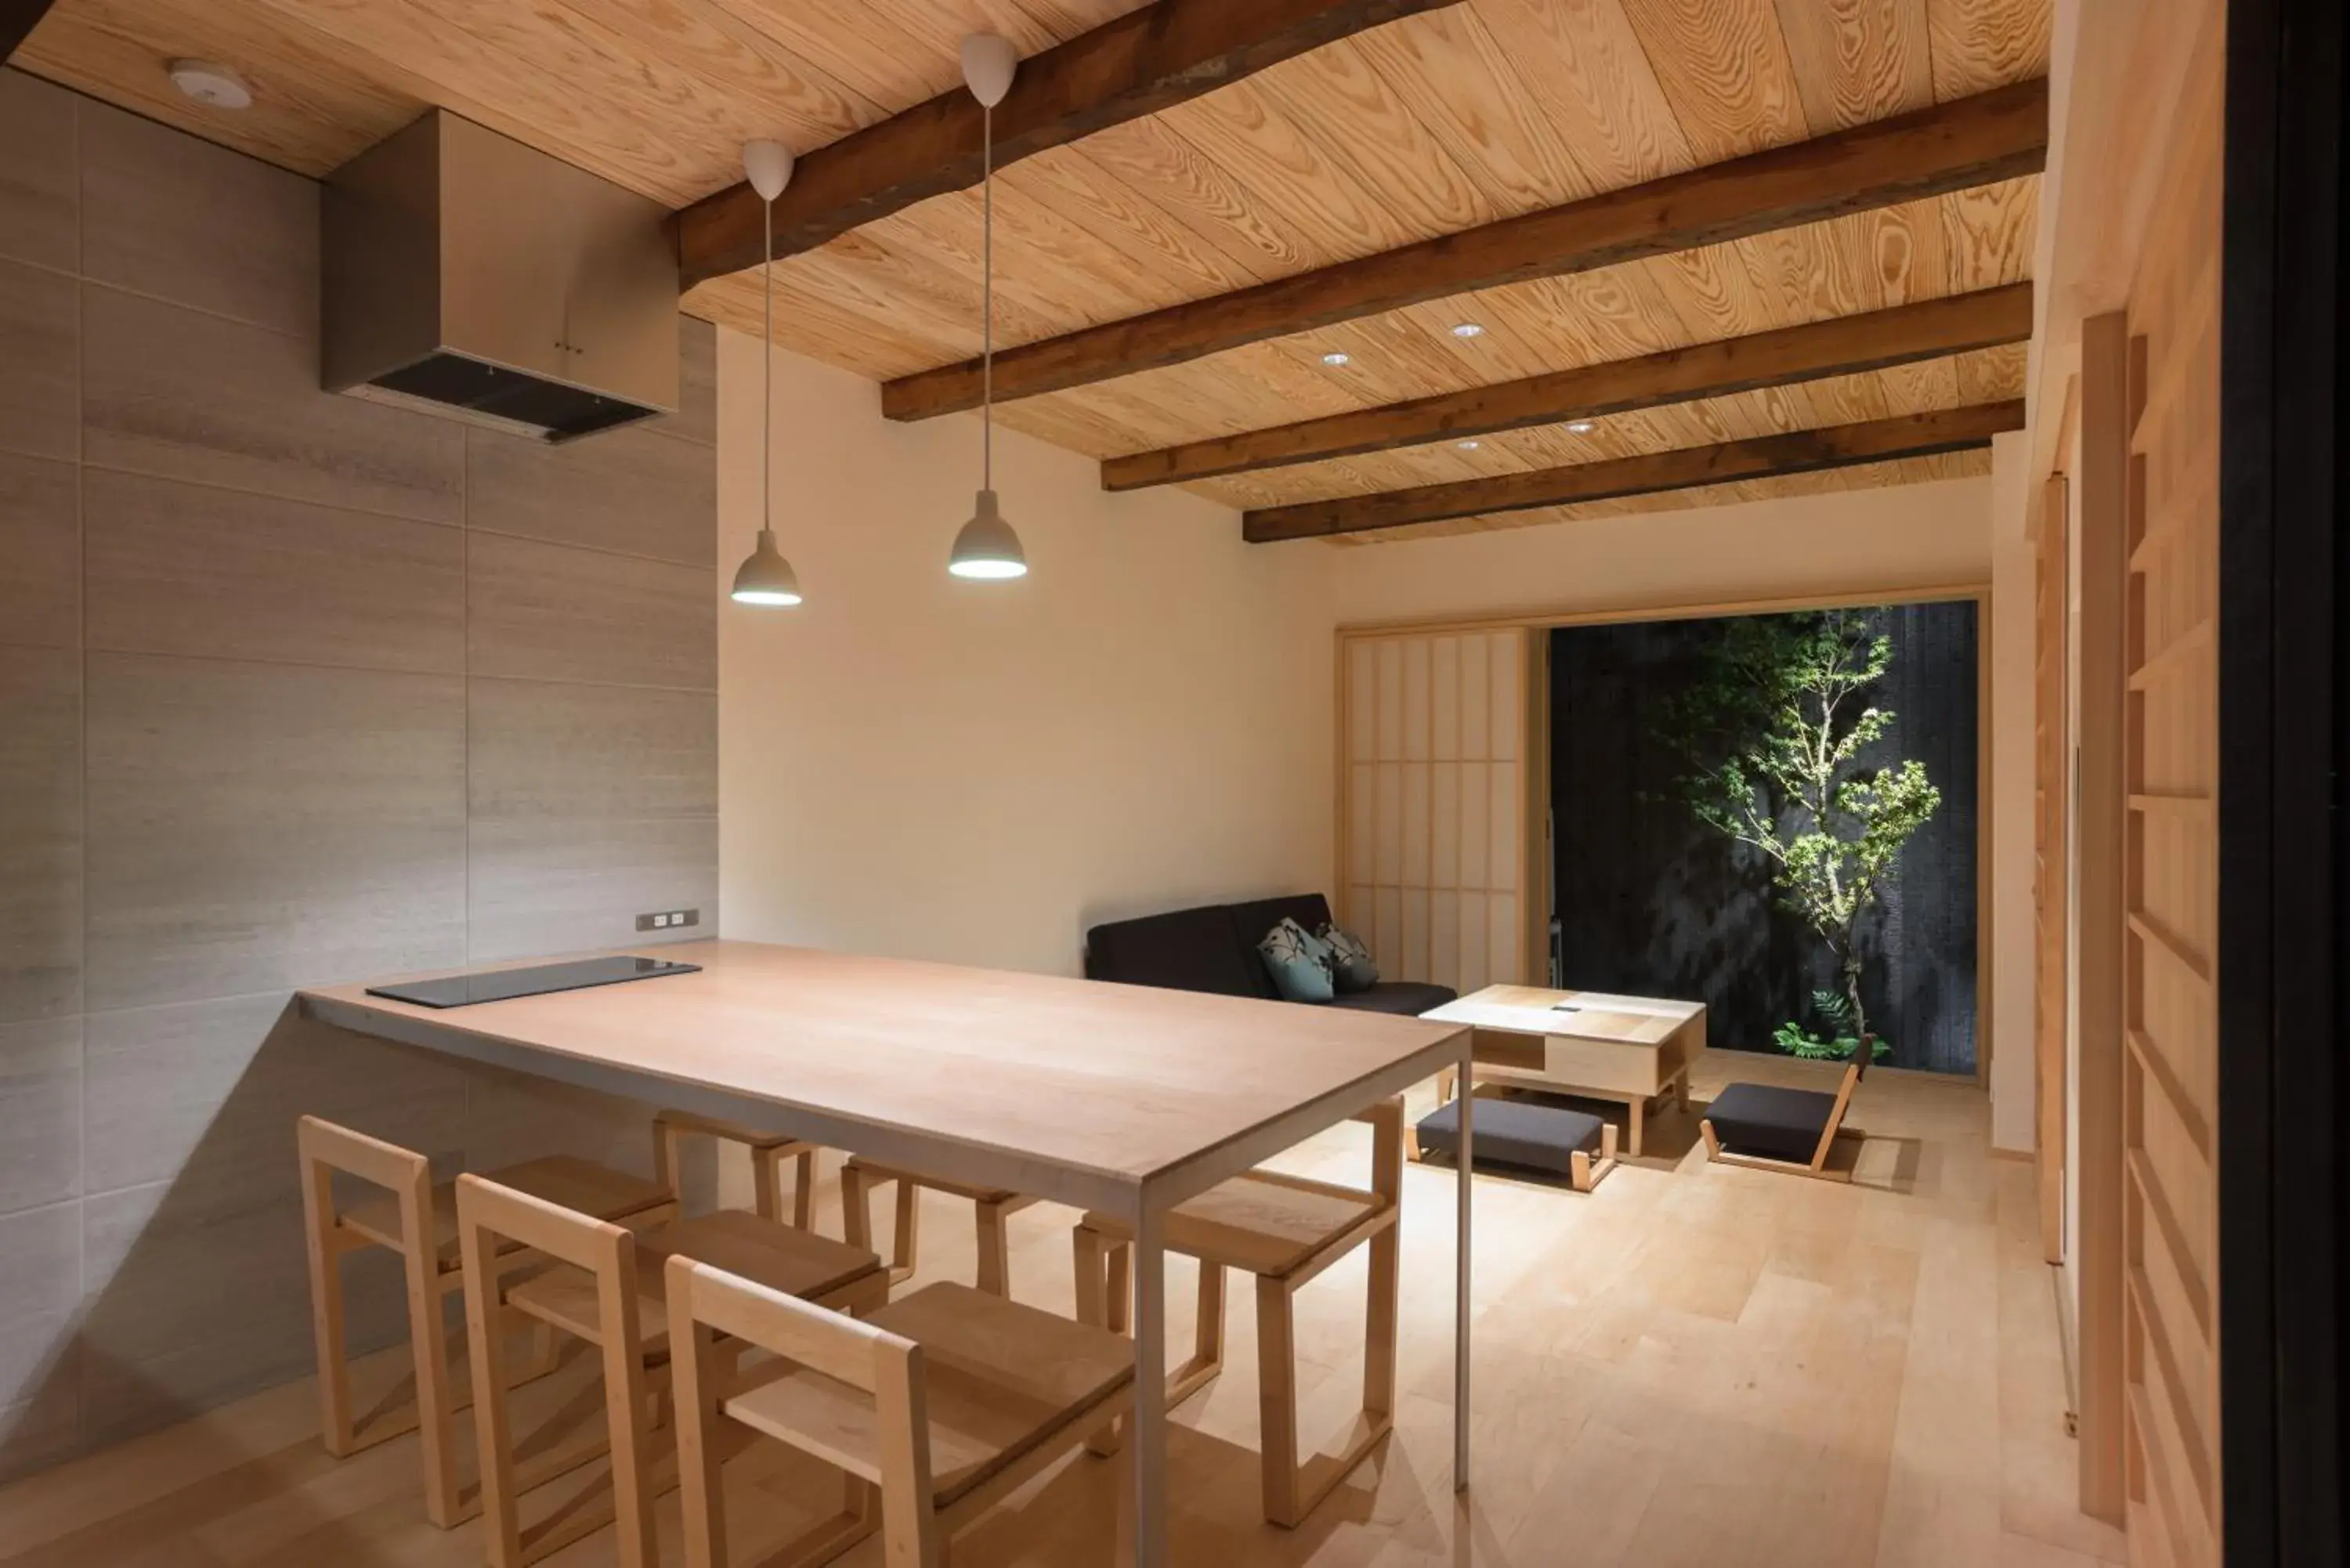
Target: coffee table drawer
{"type": "Point", "coordinates": [1607, 1064]}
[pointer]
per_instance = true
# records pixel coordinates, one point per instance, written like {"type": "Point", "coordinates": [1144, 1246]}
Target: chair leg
{"type": "Point", "coordinates": [500, 1518]}
{"type": "Point", "coordinates": [1380, 1314]}
{"type": "Point", "coordinates": [1098, 1296]}
{"type": "Point", "coordinates": [632, 1490]}
{"type": "Point", "coordinates": [702, 1500]}
{"type": "Point", "coordinates": [1206, 1339]}
{"type": "Point", "coordinates": [428, 1336]}
{"type": "Point", "coordinates": [856, 1208]}
{"type": "Point", "coordinates": [335, 1427]}
{"type": "Point", "coordinates": [903, 1245]}
{"type": "Point", "coordinates": [804, 1191]}
{"type": "Point", "coordinates": [1276, 1371]}
{"type": "Point", "coordinates": [994, 1251]}
{"type": "Point", "coordinates": [766, 1200]}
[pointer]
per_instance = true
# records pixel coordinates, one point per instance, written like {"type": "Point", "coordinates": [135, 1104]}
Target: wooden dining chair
{"type": "Point", "coordinates": [606, 1288]}
{"type": "Point", "coordinates": [407, 1211]}
{"type": "Point", "coordinates": [1285, 1231]}
{"type": "Point", "coordinates": [992, 1205]}
{"type": "Point", "coordinates": [768, 1152]}
{"type": "Point", "coordinates": [945, 1401]}
{"type": "Point", "coordinates": [1773, 1128]}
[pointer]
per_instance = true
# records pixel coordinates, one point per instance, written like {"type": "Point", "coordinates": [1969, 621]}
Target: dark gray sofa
{"type": "Point", "coordinates": [1213, 948]}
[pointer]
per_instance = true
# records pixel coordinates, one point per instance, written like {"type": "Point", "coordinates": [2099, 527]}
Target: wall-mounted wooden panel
{"type": "Point", "coordinates": [179, 394]}
{"type": "Point", "coordinates": [1435, 803]}
{"type": "Point", "coordinates": [637, 492]}
{"type": "Point", "coordinates": [173, 217]}
{"type": "Point", "coordinates": [40, 374]}
{"type": "Point", "coordinates": [550, 612]}
{"type": "Point", "coordinates": [40, 184]}
{"type": "Point", "coordinates": [40, 832]}
{"type": "Point", "coordinates": [193, 569]}
{"type": "Point", "coordinates": [2170, 1075]}
{"type": "Point", "coordinates": [40, 552]}
{"type": "Point", "coordinates": [253, 825]}
{"type": "Point", "coordinates": [40, 1113]}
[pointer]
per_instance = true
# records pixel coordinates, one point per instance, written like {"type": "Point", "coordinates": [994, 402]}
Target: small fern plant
{"type": "Point", "coordinates": [1840, 1041]}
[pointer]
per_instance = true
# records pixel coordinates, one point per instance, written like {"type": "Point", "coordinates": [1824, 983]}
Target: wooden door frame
{"type": "Point", "coordinates": [2283, 680]}
{"type": "Point", "coordinates": [1532, 831]}
{"type": "Point", "coordinates": [2053, 882]}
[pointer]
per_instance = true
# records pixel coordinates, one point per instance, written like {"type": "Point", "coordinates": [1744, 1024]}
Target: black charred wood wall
{"type": "Point", "coordinates": [1653, 903]}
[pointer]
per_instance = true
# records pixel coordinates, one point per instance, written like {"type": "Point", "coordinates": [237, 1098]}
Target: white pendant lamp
{"type": "Point", "coordinates": [987, 547]}
{"type": "Point", "coordinates": [765, 577]}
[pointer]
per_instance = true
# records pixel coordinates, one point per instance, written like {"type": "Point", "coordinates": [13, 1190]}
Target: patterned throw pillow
{"type": "Point", "coordinates": [1298, 962]}
{"type": "Point", "coordinates": [1350, 958]}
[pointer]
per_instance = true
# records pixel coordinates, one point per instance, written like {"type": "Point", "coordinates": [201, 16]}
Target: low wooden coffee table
{"type": "Point", "coordinates": [1631, 1049]}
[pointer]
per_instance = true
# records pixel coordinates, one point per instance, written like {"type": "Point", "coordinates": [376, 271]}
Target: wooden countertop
{"type": "Point", "coordinates": [1068, 1088]}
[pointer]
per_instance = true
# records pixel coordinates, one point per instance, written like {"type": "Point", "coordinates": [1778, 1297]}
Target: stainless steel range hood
{"type": "Point", "coordinates": [470, 274]}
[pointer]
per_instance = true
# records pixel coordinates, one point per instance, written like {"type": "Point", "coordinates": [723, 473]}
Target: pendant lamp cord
{"type": "Point", "coordinates": [768, 390]}
{"type": "Point", "coordinates": [987, 297]}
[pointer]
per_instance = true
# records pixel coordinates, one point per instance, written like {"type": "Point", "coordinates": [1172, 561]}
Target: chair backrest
{"type": "Point", "coordinates": [705, 1301]}
{"type": "Point", "coordinates": [1856, 1067]}
{"type": "Point", "coordinates": [325, 1147]}
{"type": "Point", "coordinates": [671, 1128]}
{"type": "Point", "coordinates": [488, 1213]}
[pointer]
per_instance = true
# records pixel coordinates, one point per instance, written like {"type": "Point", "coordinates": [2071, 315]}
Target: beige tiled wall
{"type": "Point", "coordinates": [293, 688]}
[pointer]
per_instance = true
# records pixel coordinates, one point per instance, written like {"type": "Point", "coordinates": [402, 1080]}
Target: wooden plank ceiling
{"type": "Point", "coordinates": [1436, 123]}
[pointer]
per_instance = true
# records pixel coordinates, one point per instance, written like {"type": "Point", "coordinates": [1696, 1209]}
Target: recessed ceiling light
{"type": "Point", "coordinates": [214, 87]}
{"type": "Point", "coordinates": [1469, 329]}
{"type": "Point", "coordinates": [1335, 358]}
{"type": "Point", "coordinates": [1579, 427]}
{"type": "Point", "coordinates": [1467, 446]}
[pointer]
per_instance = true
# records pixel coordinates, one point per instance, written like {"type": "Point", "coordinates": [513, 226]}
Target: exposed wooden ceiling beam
{"type": "Point", "coordinates": [1800, 452]}
{"type": "Point", "coordinates": [1145, 61]}
{"type": "Point", "coordinates": [1845, 345]}
{"type": "Point", "coordinates": [17, 20]}
{"type": "Point", "coordinates": [1992, 136]}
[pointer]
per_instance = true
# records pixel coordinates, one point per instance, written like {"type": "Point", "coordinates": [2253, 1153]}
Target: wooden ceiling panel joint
{"type": "Point", "coordinates": [1840, 346]}
{"type": "Point", "coordinates": [1991, 136]}
{"type": "Point", "coordinates": [1137, 65]}
{"type": "Point", "coordinates": [1801, 451]}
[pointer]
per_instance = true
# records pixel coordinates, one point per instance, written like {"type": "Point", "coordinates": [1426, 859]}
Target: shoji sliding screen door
{"type": "Point", "coordinates": [1442, 776]}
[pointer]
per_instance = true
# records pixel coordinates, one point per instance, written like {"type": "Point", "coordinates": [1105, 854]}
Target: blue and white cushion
{"type": "Point", "coordinates": [1298, 961]}
{"type": "Point", "coordinates": [1350, 958]}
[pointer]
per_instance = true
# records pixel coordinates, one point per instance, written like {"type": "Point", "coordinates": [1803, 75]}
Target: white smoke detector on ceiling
{"type": "Point", "coordinates": [214, 87]}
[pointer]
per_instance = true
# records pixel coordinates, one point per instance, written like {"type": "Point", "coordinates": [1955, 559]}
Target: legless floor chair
{"type": "Point", "coordinates": [605, 1285]}
{"type": "Point", "coordinates": [944, 1403]}
{"type": "Point", "coordinates": [1776, 1128]}
{"type": "Point", "coordinates": [408, 1212]}
{"type": "Point", "coordinates": [1284, 1229]}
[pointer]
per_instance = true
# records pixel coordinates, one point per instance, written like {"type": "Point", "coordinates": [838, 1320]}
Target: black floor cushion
{"type": "Point", "coordinates": [1774, 1122]}
{"type": "Point", "coordinates": [1514, 1132]}
{"type": "Point", "coordinates": [1410, 998]}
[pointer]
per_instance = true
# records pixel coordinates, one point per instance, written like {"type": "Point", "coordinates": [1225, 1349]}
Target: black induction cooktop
{"type": "Point", "coordinates": [537, 980]}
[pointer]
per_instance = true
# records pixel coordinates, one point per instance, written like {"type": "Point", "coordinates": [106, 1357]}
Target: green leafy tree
{"type": "Point", "coordinates": [1772, 733]}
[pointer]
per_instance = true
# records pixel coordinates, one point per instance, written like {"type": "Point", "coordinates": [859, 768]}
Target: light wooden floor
{"type": "Point", "coordinates": [1695, 1365]}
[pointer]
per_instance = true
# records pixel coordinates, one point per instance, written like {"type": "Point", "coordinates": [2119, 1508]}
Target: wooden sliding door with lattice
{"type": "Point", "coordinates": [1440, 773]}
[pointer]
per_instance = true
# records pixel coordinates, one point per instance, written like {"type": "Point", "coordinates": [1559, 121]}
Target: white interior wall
{"type": "Point", "coordinates": [921, 767]}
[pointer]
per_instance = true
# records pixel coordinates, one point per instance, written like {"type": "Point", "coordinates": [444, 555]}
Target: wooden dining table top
{"type": "Point", "coordinates": [1083, 1087]}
